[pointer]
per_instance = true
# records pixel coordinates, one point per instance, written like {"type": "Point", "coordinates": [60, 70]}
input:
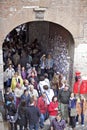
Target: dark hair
{"type": "Point", "coordinates": [41, 78]}
{"type": "Point", "coordinates": [11, 98]}
{"type": "Point", "coordinates": [59, 114]}
{"type": "Point", "coordinates": [23, 103]}
{"type": "Point", "coordinates": [46, 75]}
{"type": "Point", "coordinates": [76, 78]}
{"type": "Point", "coordinates": [31, 100]}
{"type": "Point", "coordinates": [45, 87]}
{"type": "Point", "coordinates": [54, 97]}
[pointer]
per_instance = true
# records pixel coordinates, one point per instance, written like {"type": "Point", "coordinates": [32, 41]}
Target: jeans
{"type": "Point", "coordinates": [42, 119]}
{"type": "Point", "coordinates": [82, 118]}
{"type": "Point", "coordinates": [34, 126]}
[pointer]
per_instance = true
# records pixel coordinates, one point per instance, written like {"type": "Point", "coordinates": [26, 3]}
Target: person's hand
{"type": "Point", "coordinates": [56, 109]}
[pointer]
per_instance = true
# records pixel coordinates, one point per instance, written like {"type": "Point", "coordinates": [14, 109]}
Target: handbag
{"type": "Point", "coordinates": [73, 112]}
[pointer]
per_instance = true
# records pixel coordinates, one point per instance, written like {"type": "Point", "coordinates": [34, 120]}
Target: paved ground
{"type": "Point", "coordinates": [78, 127]}
{"type": "Point", "coordinates": [4, 126]}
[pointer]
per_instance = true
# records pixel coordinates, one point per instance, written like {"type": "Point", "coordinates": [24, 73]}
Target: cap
{"type": "Point", "coordinates": [77, 73]}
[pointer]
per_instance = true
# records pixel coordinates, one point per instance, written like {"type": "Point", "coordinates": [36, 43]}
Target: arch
{"type": "Point", "coordinates": [55, 30]}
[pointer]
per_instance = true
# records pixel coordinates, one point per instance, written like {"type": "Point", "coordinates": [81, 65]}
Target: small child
{"type": "Point", "coordinates": [58, 123]}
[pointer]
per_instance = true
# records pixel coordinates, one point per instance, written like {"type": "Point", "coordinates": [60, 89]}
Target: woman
{"type": "Point", "coordinates": [53, 108]}
{"type": "Point", "coordinates": [11, 108]}
{"type": "Point", "coordinates": [72, 105]}
{"type": "Point", "coordinates": [22, 115]}
{"type": "Point", "coordinates": [81, 108]}
{"type": "Point", "coordinates": [58, 123]}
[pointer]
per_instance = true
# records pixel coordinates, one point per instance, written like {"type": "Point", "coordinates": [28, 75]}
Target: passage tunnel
{"type": "Point", "coordinates": [39, 37]}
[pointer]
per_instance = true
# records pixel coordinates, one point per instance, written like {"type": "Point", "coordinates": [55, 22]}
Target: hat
{"type": "Point", "coordinates": [77, 73]}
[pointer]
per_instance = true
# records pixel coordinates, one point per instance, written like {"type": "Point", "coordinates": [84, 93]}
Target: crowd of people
{"type": "Point", "coordinates": [37, 97]}
{"type": "Point", "coordinates": [35, 91]}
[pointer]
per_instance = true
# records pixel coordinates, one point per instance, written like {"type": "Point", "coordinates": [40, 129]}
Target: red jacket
{"type": "Point", "coordinates": [51, 109]}
{"type": "Point", "coordinates": [76, 87]}
{"type": "Point", "coordinates": [42, 105]}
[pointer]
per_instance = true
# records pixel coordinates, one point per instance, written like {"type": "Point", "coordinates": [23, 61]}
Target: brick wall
{"type": "Point", "coordinates": [71, 14]}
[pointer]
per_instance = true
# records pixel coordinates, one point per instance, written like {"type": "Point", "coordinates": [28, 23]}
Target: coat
{"type": "Point", "coordinates": [42, 105]}
{"type": "Point", "coordinates": [14, 82]}
{"type": "Point", "coordinates": [22, 113]}
{"type": "Point", "coordinates": [79, 107]}
{"type": "Point", "coordinates": [52, 107]}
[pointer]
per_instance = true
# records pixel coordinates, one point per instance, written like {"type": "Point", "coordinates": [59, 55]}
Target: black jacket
{"type": "Point", "coordinates": [33, 115]}
{"type": "Point", "coordinates": [63, 96]}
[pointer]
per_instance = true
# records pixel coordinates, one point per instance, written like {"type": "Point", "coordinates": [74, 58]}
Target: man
{"type": "Point", "coordinates": [42, 105]}
{"type": "Point", "coordinates": [33, 115]}
{"type": "Point", "coordinates": [63, 98]}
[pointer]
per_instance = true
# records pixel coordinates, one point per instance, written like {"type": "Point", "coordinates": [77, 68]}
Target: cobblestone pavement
{"type": "Point", "coordinates": [78, 127]}
{"type": "Point", "coordinates": [4, 126]}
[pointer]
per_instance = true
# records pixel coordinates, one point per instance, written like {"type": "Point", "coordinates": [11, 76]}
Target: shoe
{"type": "Point", "coordinates": [77, 123]}
{"type": "Point", "coordinates": [83, 125]}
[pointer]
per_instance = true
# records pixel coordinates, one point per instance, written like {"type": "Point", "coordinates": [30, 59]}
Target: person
{"type": "Point", "coordinates": [58, 123]}
{"type": "Point", "coordinates": [43, 64]}
{"type": "Point", "coordinates": [25, 96]}
{"type": "Point", "coordinates": [77, 83]}
{"type": "Point", "coordinates": [11, 108]}
{"type": "Point", "coordinates": [53, 108]}
{"type": "Point", "coordinates": [33, 116]}
{"type": "Point", "coordinates": [80, 108]}
{"type": "Point", "coordinates": [72, 105]}
{"type": "Point", "coordinates": [49, 66]}
{"type": "Point", "coordinates": [49, 93]}
{"type": "Point", "coordinates": [63, 98]}
{"type": "Point", "coordinates": [55, 83]}
{"type": "Point", "coordinates": [16, 59]}
{"type": "Point", "coordinates": [43, 107]}
{"type": "Point", "coordinates": [23, 73]}
{"type": "Point", "coordinates": [22, 112]}
{"type": "Point", "coordinates": [16, 81]}
{"type": "Point", "coordinates": [18, 91]}
{"type": "Point", "coordinates": [9, 73]}
{"type": "Point", "coordinates": [32, 91]}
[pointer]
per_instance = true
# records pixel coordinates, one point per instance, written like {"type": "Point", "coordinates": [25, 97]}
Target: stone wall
{"type": "Point", "coordinates": [71, 14]}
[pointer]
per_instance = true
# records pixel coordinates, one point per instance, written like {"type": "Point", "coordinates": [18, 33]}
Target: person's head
{"type": "Point", "coordinates": [82, 97]}
{"type": "Point", "coordinates": [66, 87]}
{"type": "Point", "coordinates": [46, 75]}
{"type": "Point", "coordinates": [31, 100]}
{"type": "Point", "coordinates": [54, 99]}
{"type": "Point", "coordinates": [49, 56]}
{"type": "Point", "coordinates": [11, 98]}
{"type": "Point", "coordinates": [16, 74]}
{"type": "Point", "coordinates": [59, 116]}
{"type": "Point", "coordinates": [72, 95]}
{"type": "Point", "coordinates": [32, 74]}
{"type": "Point", "coordinates": [33, 69]}
{"type": "Point", "coordinates": [41, 78]}
{"type": "Point", "coordinates": [32, 81]}
{"type": "Point", "coordinates": [23, 103]}
{"type": "Point", "coordinates": [31, 87]}
{"type": "Point", "coordinates": [23, 68]}
{"type": "Point", "coordinates": [26, 92]}
{"type": "Point", "coordinates": [10, 66]}
{"type": "Point", "coordinates": [19, 66]}
{"type": "Point", "coordinates": [26, 82]}
{"type": "Point", "coordinates": [44, 95]}
{"type": "Point", "coordinates": [45, 87]}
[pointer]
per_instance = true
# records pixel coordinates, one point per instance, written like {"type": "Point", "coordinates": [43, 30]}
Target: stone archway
{"type": "Point", "coordinates": [54, 39]}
